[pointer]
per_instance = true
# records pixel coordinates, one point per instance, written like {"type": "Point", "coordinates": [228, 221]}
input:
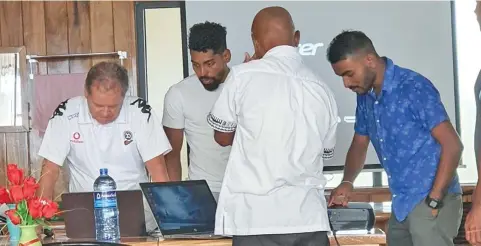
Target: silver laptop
{"type": "Point", "coordinates": [184, 209]}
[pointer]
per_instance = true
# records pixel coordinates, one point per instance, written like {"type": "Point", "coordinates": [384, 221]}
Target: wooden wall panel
{"type": "Point", "coordinates": [17, 149]}
{"type": "Point", "coordinates": [124, 35]}
{"type": "Point", "coordinates": [102, 28]}
{"type": "Point", "coordinates": [34, 32]}
{"type": "Point", "coordinates": [56, 24]}
{"type": "Point", "coordinates": [64, 27]}
{"type": "Point", "coordinates": [79, 35]}
{"type": "Point", "coordinates": [70, 27]}
{"type": "Point", "coordinates": [11, 23]}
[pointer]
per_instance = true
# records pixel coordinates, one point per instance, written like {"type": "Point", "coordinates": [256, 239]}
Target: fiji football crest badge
{"type": "Point", "coordinates": [128, 137]}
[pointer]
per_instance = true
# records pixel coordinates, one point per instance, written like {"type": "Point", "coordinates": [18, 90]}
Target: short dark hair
{"type": "Point", "coordinates": [108, 71]}
{"type": "Point", "coordinates": [349, 43]}
{"type": "Point", "coordinates": [208, 36]}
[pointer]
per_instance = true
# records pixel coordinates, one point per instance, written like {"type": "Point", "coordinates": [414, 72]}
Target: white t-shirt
{"type": "Point", "coordinates": [122, 146]}
{"type": "Point", "coordinates": [285, 121]}
{"type": "Point", "coordinates": [186, 106]}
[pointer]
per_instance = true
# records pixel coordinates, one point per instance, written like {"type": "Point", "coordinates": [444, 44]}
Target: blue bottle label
{"type": "Point", "coordinates": [105, 199]}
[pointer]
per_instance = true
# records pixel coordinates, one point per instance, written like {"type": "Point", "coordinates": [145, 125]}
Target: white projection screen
{"type": "Point", "coordinates": [415, 34]}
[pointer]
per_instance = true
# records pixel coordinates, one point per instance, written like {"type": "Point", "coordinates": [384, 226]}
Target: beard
{"type": "Point", "coordinates": [209, 83]}
{"type": "Point", "coordinates": [367, 82]}
{"type": "Point", "coordinates": [212, 83]}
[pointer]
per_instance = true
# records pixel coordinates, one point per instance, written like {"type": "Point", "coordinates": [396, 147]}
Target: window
{"type": "Point", "coordinates": [11, 99]}
{"type": "Point", "coordinates": [468, 51]}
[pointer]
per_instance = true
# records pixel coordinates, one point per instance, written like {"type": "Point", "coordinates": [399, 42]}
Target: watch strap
{"type": "Point", "coordinates": [433, 203]}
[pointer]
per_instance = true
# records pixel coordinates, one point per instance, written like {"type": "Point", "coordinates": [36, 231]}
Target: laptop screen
{"type": "Point", "coordinates": [179, 207]}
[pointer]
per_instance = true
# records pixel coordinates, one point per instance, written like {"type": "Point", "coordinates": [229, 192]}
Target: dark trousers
{"type": "Point", "coordinates": [319, 238]}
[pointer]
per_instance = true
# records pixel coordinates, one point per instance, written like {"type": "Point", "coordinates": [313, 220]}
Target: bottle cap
{"type": "Point", "coordinates": [104, 171]}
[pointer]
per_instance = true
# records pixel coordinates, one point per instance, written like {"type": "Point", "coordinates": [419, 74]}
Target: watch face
{"type": "Point", "coordinates": [433, 204]}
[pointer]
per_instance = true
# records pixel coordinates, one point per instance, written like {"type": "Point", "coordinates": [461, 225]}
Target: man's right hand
{"type": "Point", "coordinates": [48, 178]}
{"type": "Point", "coordinates": [341, 194]}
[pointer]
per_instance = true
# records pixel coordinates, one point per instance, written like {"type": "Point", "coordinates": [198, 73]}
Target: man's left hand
{"type": "Point", "coordinates": [472, 226]}
{"type": "Point", "coordinates": [436, 195]}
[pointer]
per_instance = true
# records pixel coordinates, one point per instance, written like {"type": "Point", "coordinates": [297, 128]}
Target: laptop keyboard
{"type": "Point", "coordinates": [200, 235]}
{"type": "Point", "coordinates": [193, 235]}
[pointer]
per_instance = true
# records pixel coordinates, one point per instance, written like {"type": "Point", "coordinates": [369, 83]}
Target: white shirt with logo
{"type": "Point", "coordinates": [123, 146]}
{"type": "Point", "coordinates": [186, 106]}
{"type": "Point", "coordinates": [285, 120]}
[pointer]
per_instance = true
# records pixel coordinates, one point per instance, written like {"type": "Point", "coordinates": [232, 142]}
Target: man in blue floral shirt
{"type": "Point", "coordinates": [401, 113]}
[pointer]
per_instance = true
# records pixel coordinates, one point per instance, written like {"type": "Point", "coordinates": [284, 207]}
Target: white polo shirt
{"type": "Point", "coordinates": [285, 121]}
{"type": "Point", "coordinates": [186, 106]}
{"type": "Point", "coordinates": [122, 146]}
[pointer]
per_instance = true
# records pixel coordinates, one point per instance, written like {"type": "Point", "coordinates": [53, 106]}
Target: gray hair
{"type": "Point", "coordinates": [106, 73]}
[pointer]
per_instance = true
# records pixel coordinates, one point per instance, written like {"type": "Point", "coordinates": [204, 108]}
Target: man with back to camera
{"type": "Point", "coordinates": [104, 129]}
{"type": "Point", "coordinates": [188, 103]}
{"type": "Point", "coordinates": [401, 113]}
{"type": "Point", "coordinates": [472, 225]}
{"type": "Point", "coordinates": [281, 121]}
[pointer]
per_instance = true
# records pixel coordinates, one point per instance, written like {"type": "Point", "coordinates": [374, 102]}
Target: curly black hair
{"type": "Point", "coordinates": [349, 43]}
{"type": "Point", "coordinates": [208, 36]}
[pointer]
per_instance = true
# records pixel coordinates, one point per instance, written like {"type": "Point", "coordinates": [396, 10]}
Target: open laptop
{"type": "Point", "coordinates": [79, 217]}
{"type": "Point", "coordinates": [184, 209]}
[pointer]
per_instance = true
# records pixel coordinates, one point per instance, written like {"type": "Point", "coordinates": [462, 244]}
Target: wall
{"type": "Point", "coordinates": [61, 27]}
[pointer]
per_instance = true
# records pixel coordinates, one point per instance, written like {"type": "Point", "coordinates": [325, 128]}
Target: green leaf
{"type": "Point", "coordinates": [30, 220]}
{"type": "Point", "coordinates": [22, 211]}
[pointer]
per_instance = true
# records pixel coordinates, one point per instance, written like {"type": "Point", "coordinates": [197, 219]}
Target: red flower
{"type": "Point", "coordinates": [29, 187]}
{"type": "Point", "coordinates": [4, 196]}
{"type": "Point", "coordinates": [13, 216]}
{"type": "Point", "coordinates": [16, 192]}
{"type": "Point", "coordinates": [49, 209]}
{"type": "Point", "coordinates": [22, 191]}
{"type": "Point", "coordinates": [35, 208]}
{"type": "Point", "coordinates": [14, 174]}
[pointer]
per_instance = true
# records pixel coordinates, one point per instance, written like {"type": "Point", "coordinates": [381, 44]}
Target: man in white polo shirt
{"type": "Point", "coordinates": [281, 120]}
{"type": "Point", "coordinates": [188, 103]}
{"type": "Point", "coordinates": [104, 129]}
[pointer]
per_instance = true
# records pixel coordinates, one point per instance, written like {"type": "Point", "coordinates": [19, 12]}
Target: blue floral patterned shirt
{"type": "Point", "coordinates": [399, 122]}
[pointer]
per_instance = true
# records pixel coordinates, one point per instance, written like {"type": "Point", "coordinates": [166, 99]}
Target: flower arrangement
{"type": "Point", "coordinates": [21, 191]}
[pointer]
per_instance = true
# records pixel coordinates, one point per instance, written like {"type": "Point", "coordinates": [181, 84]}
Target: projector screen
{"type": "Point", "coordinates": [414, 34]}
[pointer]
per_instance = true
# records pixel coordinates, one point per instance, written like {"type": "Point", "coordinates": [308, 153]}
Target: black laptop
{"type": "Point", "coordinates": [184, 209]}
{"type": "Point", "coordinates": [79, 216]}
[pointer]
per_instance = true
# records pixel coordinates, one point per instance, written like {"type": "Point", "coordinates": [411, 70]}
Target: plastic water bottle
{"type": "Point", "coordinates": [105, 208]}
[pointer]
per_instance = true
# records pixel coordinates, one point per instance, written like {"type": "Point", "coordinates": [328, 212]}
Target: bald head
{"type": "Point", "coordinates": [273, 26]}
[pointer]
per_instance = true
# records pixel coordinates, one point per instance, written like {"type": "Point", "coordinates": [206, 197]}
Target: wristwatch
{"type": "Point", "coordinates": [433, 203]}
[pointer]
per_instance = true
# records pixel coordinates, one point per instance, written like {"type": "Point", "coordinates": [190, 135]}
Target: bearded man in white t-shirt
{"type": "Point", "coordinates": [188, 103]}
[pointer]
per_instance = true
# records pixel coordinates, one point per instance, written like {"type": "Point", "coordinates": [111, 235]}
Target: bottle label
{"type": "Point", "coordinates": [105, 199]}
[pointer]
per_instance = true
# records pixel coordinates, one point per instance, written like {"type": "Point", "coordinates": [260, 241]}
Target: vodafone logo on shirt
{"type": "Point", "coordinates": [76, 138]}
